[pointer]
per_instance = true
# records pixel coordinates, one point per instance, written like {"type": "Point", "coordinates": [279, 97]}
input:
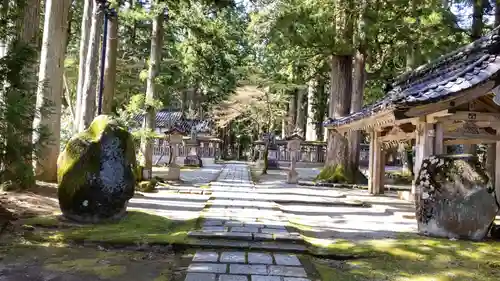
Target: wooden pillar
{"type": "Point", "coordinates": [381, 165]}
{"type": "Point", "coordinates": [439, 139]}
{"type": "Point", "coordinates": [375, 161]}
{"type": "Point", "coordinates": [424, 146]}
{"type": "Point", "coordinates": [371, 149]}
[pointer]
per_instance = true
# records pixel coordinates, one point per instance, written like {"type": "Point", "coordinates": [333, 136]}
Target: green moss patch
{"type": "Point", "coordinates": [84, 263]}
{"type": "Point", "coordinates": [335, 174]}
{"type": "Point", "coordinates": [43, 221]}
{"type": "Point", "coordinates": [135, 228]}
{"type": "Point", "coordinates": [99, 266]}
{"type": "Point", "coordinates": [410, 257]}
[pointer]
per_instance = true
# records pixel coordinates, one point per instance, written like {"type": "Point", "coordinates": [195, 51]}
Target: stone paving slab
{"type": "Point", "coordinates": [282, 259]}
{"type": "Point", "coordinates": [200, 277]}
{"type": "Point", "coordinates": [248, 269]}
{"type": "Point", "coordinates": [206, 256]}
{"type": "Point", "coordinates": [287, 271]}
{"type": "Point", "coordinates": [233, 278]}
{"type": "Point", "coordinates": [224, 235]}
{"type": "Point", "coordinates": [265, 278]}
{"type": "Point", "coordinates": [260, 258]}
{"type": "Point", "coordinates": [207, 267]}
{"type": "Point", "coordinates": [233, 257]}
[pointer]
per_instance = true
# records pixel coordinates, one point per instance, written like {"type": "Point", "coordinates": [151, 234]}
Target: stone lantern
{"type": "Point", "coordinates": [293, 145]}
{"type": "Point", "coordinates": [192, 159]}
{"type": "Point", "coordinates": [174, 137]}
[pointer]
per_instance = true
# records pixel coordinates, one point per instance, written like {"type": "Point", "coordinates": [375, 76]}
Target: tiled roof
{"type": "Point", "coordinates": [166, 119]}
{"type": "Point", "coordinates": [443, 78]}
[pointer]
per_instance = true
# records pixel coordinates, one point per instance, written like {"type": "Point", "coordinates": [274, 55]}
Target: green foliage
{"type": "Point", "coordinates": [17, 112]}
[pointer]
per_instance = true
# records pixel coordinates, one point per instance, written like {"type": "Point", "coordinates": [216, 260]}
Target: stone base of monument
{"type": "Point", "coordinates": [174, 173]}
{"type": "Point", "coordinates": [193, 161]}
{"type": "Point", "coordinates": [292, 177]}
{"type": "Point", "coordinates": [454, 198]}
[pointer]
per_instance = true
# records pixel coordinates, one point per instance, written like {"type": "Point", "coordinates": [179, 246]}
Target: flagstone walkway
{"type": "Point", "coordinates": [236, 212]}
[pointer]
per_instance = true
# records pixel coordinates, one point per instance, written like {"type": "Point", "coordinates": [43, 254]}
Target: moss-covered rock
{"type": "Point", "coordinates": [454, 198]}
{"type": "Point", "coordinates": [96, 172]}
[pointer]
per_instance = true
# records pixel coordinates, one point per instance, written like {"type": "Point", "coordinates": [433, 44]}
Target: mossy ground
{"type": "Point", "coordinates": [135, 228]}
{"type": "Point", "coordinates": [27, 261]}
{"type": "Point", "coordinates": [411, 258]}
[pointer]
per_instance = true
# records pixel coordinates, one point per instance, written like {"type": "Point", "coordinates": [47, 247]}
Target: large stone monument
{"type": "Point", "coordinates": [192, 158]}
{"type": "Point", "coordinates": [174, 136]}
{"type": "Point", "coordinates": [454, 198]}
{"type": "Point", "coordinates": [293, 145]}
{"type": "Point", "coordinates": [96, 172]}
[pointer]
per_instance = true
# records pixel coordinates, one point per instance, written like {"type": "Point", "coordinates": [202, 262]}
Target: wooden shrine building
{"type": "Point", "coordinates": [452, 100]}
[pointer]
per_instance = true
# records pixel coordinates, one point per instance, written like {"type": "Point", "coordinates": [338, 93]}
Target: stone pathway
{"type": "Point", "coordinates": [229, 216]}
{"type": "Point", "coordinates": [234, 213]}
{"type": "Point", "coordinates": [242, 266]}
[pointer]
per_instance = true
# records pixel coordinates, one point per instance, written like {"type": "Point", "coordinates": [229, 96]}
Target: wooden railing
{"type": "Point", "coordinates": [310, 152]}
{"type": "Point", "coordinates": [205, 150]}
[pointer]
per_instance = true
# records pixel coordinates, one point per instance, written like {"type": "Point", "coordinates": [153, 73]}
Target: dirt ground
{"type": "Point", "coordinates": [40, 200]}
{"type": "Point", "coordinates": [25, 260]}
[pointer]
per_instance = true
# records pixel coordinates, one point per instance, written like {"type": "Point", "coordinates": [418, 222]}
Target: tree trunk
{"type": "Point", "coordinates": [88, 107]}
{"type": "Point", "coordinates": [340, 93]}
{"type": "Point", "coordinates": [358, 88]}
{"type": "Point", "coordinates": [477, 19]}
{"type": "Point", "coordinates": [184, 97]}
{"type": "Point", "coordinates": [300, 121]}
{"type": "Point", "coordinates": [497, 13]}
{"type": "Point", "coordinates": [110, 66]}
{"type": "Point", "coordinates": [84, 45]}
{"type": "Point", "coordinates": [292, 112]}
{"type": "Point", "coordinates": [150, 118]}
{"type": "Point", "coordinates": [28, 29]}
{"type": "Point", "coordinates": [50, 91]}
{"type": "Point", "coordinates": [311, 134]}
{"type": "Point", "coordinates": [320, 108]}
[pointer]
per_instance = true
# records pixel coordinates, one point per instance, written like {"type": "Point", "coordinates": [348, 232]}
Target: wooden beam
{"type": "Point", "coordinates": [472, 116]}
{"type": "Point", "coordinates": [465, 97]}
{"type": "Point", "coordinates": [433, 117]}
{"type": "Point", "coordinates": [484, 137]}
{"type": "Point", "coordinates": [397, 137]}
{"type": "Point", "coordinates": [467, 141]}
{"type": "Point", "coordinates": [486, 106]}
{"type": "Point", "coordinates": [378, 120]}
